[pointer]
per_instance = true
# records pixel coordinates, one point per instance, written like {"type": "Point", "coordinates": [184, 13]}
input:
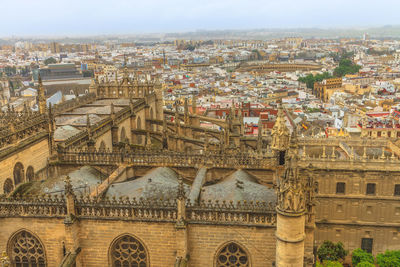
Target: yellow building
{"type": "Point", "coordinates": [326, 88]}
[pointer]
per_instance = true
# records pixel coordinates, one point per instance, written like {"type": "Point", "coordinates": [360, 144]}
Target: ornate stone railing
{"type": "Point", "coordinates": [360, 163]}
{"type": "Point", "coordinates": [74, 103]}
{"type": "Point", "coordinates": [240, 213]}
{"type": "Point", "coordinates": [127, 209]}
{"type": "Point", "coordinates": [166, 158]}
{"type": "Point", "coordinates": [259, 213]}
{"type": "Point", "coordinates": [100, 127]}
{"type": "Point", "coordinates": [48, 206]}
{"type": "Point", "coordinates": [23, 128]}
{"type": "Point", "coordinates": [335, 141]}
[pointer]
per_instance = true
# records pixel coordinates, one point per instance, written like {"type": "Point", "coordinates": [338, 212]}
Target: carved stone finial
{"type": "Point", "coordinates": [181, 189]}
{"type": "Point", "coordinates": [304, 154]}
{"type": "Point", "coordinates": [280, 133]}
{"type": "Point", "coordinates": [112, 109]}
{"type": "Point", "coordinates": [68, 186]}
{"type": "Point", "coordinates": [383, 153]}
{"type": "Point", "coordinates": [333, 153]}
{"type": "Point", "coordinates": [41, 97]}
{"type": "Point", "coordinates": [291, 186]}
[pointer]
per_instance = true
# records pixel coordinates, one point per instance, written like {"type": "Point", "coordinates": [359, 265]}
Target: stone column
{"type": "Point", "coordinates": [291, 210]}
{"type": "Point", "coordinates": [182, 254]}
{"type": "Point", "coordinates": [72, 228]}
{"type": "Point", "coordinates": [290, 237]}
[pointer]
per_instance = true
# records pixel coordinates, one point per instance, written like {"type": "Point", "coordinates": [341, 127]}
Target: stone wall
{"type": "Point", "coordinates": [350, 216]}
{"type": "Point", "coordinates": [159, 239]}
{"type": "Point", "coordinates": [34, 155]}
{"type": "Point", "coordinates": [50, 231]}
{"type": "Point", "coordinates": [205, 241]}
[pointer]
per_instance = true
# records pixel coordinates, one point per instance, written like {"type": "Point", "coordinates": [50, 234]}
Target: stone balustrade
{"type": "Point", "coordinates": [47, 206]}
{"type": "Point", "coordinates": [166, 158]}
{"type": "Point", "coordinates": [247, 213]}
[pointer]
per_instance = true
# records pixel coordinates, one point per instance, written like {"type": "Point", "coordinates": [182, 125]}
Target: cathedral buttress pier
{"type": "Point", "coordinates": [291, 210]}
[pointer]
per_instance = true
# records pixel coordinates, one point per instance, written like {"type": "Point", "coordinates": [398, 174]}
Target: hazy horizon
{"type": "Point", "coordinates": [122, 17]}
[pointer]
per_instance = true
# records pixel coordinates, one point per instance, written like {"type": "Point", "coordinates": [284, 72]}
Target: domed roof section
{"type": "Point", "coordinates": [83, 180]}
{"type": "Point", "coordinates": [159, 183]}
{"type": "Point", "coordinates": [239, 186]}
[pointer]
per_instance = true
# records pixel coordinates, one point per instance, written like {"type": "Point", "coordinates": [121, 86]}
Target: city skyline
{"type": "Point", "coordinates": [74, 18]}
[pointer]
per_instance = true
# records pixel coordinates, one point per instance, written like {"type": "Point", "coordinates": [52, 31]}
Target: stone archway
{"type": "Point", "coordinates": [102, 146]}
{"type": "Point", "coordinates": [30, 174]}
{"type": "Point", "coordinates": [18, 173]}
{"type": "Point", "coordinates": [25, 249]}
{"type": "Point", "coordinates": [123, 137]}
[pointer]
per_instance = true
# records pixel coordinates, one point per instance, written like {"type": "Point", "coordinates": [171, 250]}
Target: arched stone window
{"type": "Point", "coordinates": [25, 250]}
{"type": "Point", "coordinates": [123, 136]}
{"type": "Point", "coordinates": [18, 173]}
{"type": "Point", "coordinates": [8, 186]}
{"type": "Point", "coordinates": [30, 174]}
{"type": "Point", "coordinates": [102, 146]}
{"type": "Point", "coordinates": [232, 255]}
{"type": "Point", "coordinates": [139, 127]}
{"type": "Point", "coordinates": [127, 251]}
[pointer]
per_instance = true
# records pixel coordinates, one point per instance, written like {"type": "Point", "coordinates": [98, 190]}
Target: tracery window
{"type": "Point", "coordinates": [18, 173]}
{"type": "Point", "coordinates": [25, 250]}
{"type": "Point", "coordinates": [232, 255]}
{"type": "Point", "coordinates": [30, 174]}
{"type": "Point", "coordinates": [127, 251]}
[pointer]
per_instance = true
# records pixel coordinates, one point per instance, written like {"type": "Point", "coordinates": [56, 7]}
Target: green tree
{"type": "Point", "coordinates": [50, 60]}
{"type": "Point", "coordinates": [360, 255]}
{"type": "Point", "coordinates": [391, 258]}
{"type": "Point", "coordinates": [310, 79]}
{"type": "Point", "coordinates": [329, 264]}
{"type": "Point", "coordinates": [190, 47]}
{"type": "Point", "coordinates": [346, 66]}
{"type": "Point", "coordinates": [331, 251]}
{"type": "Point", "coordinates": [365, 264]}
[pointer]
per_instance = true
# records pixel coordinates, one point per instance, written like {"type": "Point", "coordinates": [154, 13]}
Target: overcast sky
{"type": "Point", "coordinates": [80, 17]}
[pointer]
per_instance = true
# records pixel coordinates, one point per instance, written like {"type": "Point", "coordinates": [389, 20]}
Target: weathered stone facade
{"type": "Point", "coordinates": [183, 195]}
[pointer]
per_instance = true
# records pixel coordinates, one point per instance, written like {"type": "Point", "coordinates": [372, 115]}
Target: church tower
{"type": "Point", "coordinates": [291, 210]}
{"type": "Point", "coordinates": [41, 96]}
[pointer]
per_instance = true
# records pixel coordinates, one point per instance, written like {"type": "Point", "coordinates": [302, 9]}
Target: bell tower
{"type": "Point", "coordinates": [291, 211]}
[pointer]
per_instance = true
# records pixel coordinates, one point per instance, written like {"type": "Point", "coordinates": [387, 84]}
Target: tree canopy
{"type": "Point", "coordinates": [346, 66]}
{"type": "Point", "coordinates": [390, 258]}
{"type": "Point", "coordinates": [360, 255]}
{"type": "Point", "coordinates": [310, 79]}
{"type": "Point", "coordinates": [50, 60]}
{"type": "Point", "coordinates": [329, 264]}
{"type": "Point", "coordinates": [331, 251]}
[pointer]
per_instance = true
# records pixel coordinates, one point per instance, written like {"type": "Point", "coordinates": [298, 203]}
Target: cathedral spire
{"type": "Point", "coordinates": [41, 96]}
{"type": "Point", "coordinates": [280, 133]}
